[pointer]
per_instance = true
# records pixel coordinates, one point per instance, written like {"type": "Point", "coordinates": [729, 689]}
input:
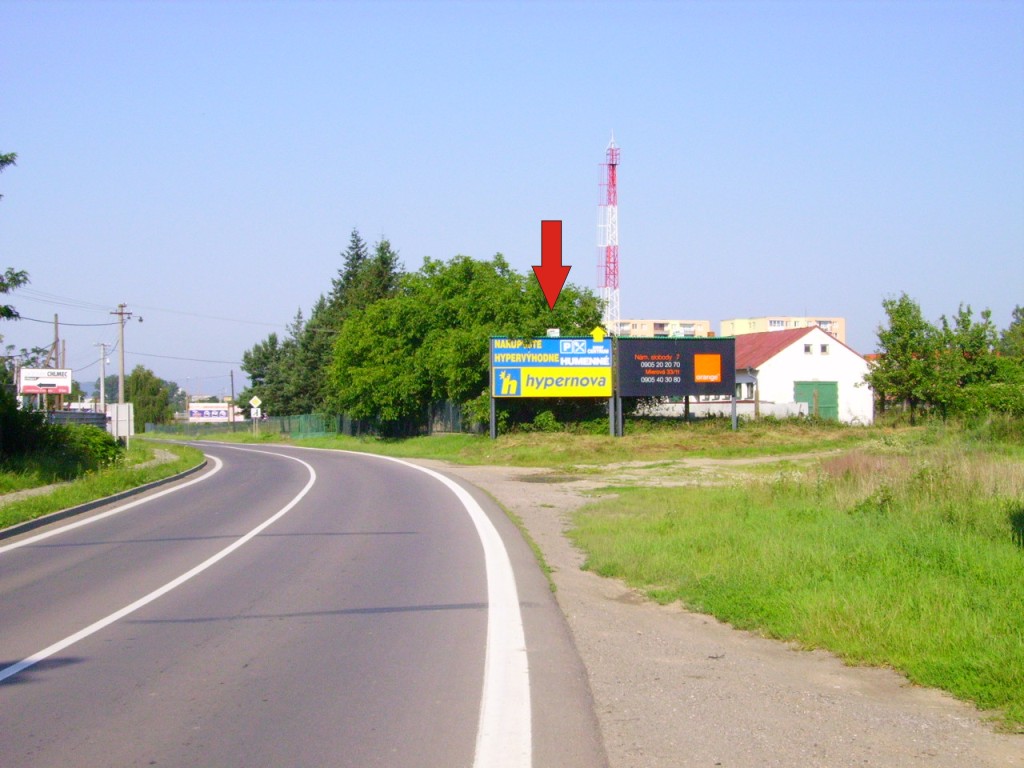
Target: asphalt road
{"type": "Point", "coordinates": [288, 607]}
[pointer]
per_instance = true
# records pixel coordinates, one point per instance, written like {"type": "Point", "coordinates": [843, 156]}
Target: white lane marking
{"type": "Point", "coordinates": [504, 736]}
{"type": "Point", "coordinates": [504, 732]}
{"type": "Point", "coordinates": [35, 658]}
{"type": "Point", "coordinates": [116, 510]}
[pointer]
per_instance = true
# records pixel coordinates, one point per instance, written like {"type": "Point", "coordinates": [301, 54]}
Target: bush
{"type": "Point", "coordinates": [545, 421]}
{"type": "Point", "coordinates": [84, 448]}
{"type": "Point", "coordinates": [21, 432]}
{"type": "Point", "coordinates": [995, 397]}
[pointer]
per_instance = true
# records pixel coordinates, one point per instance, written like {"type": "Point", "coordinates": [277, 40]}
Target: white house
{"type": "Point", "coordinates": [804, 365]}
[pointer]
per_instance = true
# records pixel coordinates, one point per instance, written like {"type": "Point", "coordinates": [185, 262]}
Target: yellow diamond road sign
{"type": "Point", "coordinates": [255, 402]}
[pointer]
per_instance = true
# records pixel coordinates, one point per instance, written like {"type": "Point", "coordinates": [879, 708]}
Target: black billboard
{"type": "Point", "coordinates": [675, 367]}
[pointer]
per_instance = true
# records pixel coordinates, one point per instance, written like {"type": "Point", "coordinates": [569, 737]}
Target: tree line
{"type": "Point", "coordinates": [384, 345]}
{"type": "Point", "coordinates": [961, 366]}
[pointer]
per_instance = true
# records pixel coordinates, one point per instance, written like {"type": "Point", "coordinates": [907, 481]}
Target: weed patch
{"type": "Point", "coordinates": [910, 561]}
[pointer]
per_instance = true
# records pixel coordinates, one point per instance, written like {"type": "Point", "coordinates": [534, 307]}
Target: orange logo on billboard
{"type": "Point", "coordinates": [707, 369]}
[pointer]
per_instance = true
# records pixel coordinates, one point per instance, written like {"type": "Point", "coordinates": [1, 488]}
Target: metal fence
{"type": "Point", "coordinates": [440, 418]}
{"type": "Point", "coordinates": [77, 417]}
{"type": "Point", "coordinates": [303, 425]}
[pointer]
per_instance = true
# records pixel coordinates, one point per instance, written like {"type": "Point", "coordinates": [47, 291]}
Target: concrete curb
{"type": "Point", "coordinates": [62, 514]}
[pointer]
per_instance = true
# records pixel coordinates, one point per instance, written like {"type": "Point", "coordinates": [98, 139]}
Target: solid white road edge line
{"type": "Point", "coordinates": [504, 736]}
{"type": "Point", "coordinates": [116, 510]}
{"type": "Point", "coordinates": [39, 656]}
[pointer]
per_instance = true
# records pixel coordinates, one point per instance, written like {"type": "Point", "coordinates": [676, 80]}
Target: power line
{"type": "Point", "coordinates": [51, 298]}
{"type": "Point", "coordinates": [50, 322]}
{"type": "Point", "coordinates": [64, 301]}
{"type": "Point", "coordinates": [186, 359]}
{"type": "Point", "coordinates": [211, 317]}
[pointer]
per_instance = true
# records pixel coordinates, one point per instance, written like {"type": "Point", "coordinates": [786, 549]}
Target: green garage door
{"type": "Point", "coordinates": [822, 397]}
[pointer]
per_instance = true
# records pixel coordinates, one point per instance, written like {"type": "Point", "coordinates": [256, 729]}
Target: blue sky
{"type": "Point", "coordinates": [205, 163]}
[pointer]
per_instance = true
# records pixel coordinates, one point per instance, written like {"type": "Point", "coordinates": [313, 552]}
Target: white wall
{"type": "Point", "coordinates": [841, 364]}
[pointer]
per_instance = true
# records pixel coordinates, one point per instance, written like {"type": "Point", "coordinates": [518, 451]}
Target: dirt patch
{"type": "Point", "coordinates": [549, 479]}
{"type": "Point", "coordinates": [674, 688]}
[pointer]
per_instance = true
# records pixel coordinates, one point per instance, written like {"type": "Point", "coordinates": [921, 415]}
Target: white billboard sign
{"type": "Point", "coordinates": [209, 412]}
{"type": "Point", "coordinates": [44, 381]}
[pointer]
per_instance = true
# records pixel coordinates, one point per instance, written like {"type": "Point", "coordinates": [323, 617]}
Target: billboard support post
{"type": "Point", "coordinates": [494, 420]}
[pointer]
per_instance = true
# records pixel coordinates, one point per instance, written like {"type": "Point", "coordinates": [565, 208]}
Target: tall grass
{"type": "Point", "coordinates": [910, 560]}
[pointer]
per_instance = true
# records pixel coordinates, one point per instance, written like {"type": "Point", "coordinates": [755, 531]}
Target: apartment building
{"type": "Point", "coordinates": [663, 328]}
{"type": "Point", "coordinates": [833, 326]}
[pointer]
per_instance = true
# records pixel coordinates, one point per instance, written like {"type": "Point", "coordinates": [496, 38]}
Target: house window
{"type": "Point", "coordinates": [824, 349]}
{"type": "Point", "coordinates": [807, 349]}
{"type": "Point", "coordinates": [739, 391]}
{"type": "Point", "coordinates": [750, 390]}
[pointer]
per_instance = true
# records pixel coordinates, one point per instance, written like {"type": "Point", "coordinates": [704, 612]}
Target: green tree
{"type": "Point", "coordinates": [345, 287]}
{"type": "Point", "coordinates": [274, 375]}
{"type": "Point", "coordinates": [964, 358]}
{"type": "Point", "coordinates": [430, 341]}
{"type": "Point", "coordinates": [363, 278]}
{"type": "Point", "coordinates": [905, 369]}
{"type": "Point", "coordinates": [1003, 393]}
{"type": "Point", "coordinates": [312, 359]}
{"type": "Point", "coordinates": [7, 159]}
{"type": "Point", "coordinates": [375, 372]}
{"type": "Point", "coordinates": [110, 383]}
{"type": "Point", "coordinates": [291, 375]}
{"type": "Point", "coordinates": [952, 369]}
{"type": "Point", "coordinates": [264, 366]}
{"type": "Point", "coordinates": [23, 358]}
{"type": "Point", "coordinates": [379, 278]}
{"type": "Point", "coordinates": [20, 432]}
{"type": "Point", "coordinates": [77, 393]}
{"type": "Point", "coordinates": [11, 278]}
{"type": "Point", "coordinates": [150, 396]}
{"type": "Point", "coordinates": [1011, 341]}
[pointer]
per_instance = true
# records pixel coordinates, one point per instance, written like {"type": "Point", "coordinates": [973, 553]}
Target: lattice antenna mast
{"type": "Point", "coordinates": [608, 239]}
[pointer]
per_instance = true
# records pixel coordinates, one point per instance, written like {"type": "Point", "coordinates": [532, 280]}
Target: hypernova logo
{"type": "Point", "coordinates": [507, 382]}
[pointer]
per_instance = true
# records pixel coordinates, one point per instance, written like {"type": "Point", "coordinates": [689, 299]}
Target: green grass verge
{"type": "Point", "coordinates": [106, 482]}
{"type": "Point", "coordinates": [909, 561]}
{"type": "Point", "coordinates": [562, 449]}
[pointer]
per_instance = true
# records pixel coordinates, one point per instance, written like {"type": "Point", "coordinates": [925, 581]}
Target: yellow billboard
{"type": "Point", "coordinates": [551, 367]}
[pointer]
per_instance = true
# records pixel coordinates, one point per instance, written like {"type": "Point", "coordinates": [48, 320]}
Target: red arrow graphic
{"type": "Point", "coordinates": [551, 273]}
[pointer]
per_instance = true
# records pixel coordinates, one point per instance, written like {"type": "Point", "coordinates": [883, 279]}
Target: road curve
{"type": "Point", "coordinates": [289, 607]}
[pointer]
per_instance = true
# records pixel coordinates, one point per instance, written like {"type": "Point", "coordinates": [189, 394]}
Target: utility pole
{"type": "Point", "coordinates": [53, 356]}
{"type": "Point", "coordinates": [103, 376]}
{"type": "Point", "coordinates": [53, 361]}
{"type": "Point", "coordinates": [124, 315]}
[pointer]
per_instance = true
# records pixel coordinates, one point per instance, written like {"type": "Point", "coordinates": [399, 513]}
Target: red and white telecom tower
{"type": "Point", "coordinates": [608, 239]}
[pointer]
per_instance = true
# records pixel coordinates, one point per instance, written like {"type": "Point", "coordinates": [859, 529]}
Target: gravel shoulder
{"type": "Point", "coordinates": [676, 688]}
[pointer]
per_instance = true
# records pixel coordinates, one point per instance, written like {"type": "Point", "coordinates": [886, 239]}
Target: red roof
{"type": "Point", "coordinates": [753, 349]}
